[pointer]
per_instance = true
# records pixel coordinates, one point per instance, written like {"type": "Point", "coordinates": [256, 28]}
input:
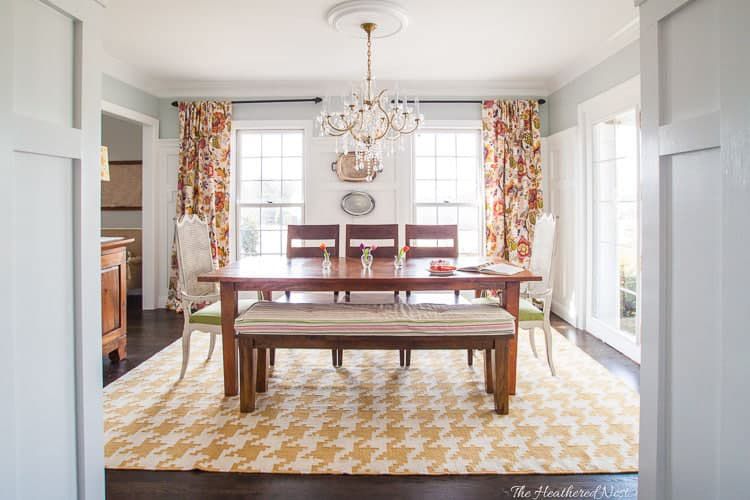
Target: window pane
{"type": "Point", "coordinates": [424, 145]}
{"type": "Point", "coordinates": [270, 218]}
{"type": "Point", "coordinates": [467, 168]}
{"type": "Point", "coordinates": [467, 218]}
{"type": "Point", "coordinates": [604, 176]}
{"type": "Point", "coordinates": [270, 242]}
{"type": "Point", "coordinates": [271, 168]}
{"type": "Point", "coordinates": [627, 312]}
{"type": "Point", "coordinates": [447, 215]}
{"type": "Point", "coordinates": [627, 179]}
{"type": "Point", "coordinates": [271, 191]}
{"type": "Point", "coordinates": [250, 192]}
{"type": "Point", "coordinates": [426, 215]}
{"type": "Point", "coordinates": [271, 144]}
{"type": "Point", "coordinates": [445, 168]}
{"type": "Point", "coordinates": [467, 192]}
{"type": "Point", "coordinates": [291, 191]}
{"type": "Point", "coordinates": [291, 215]}
{"type": "Point", "coordinates": [467, 144]}
{"type": "Point", "coordinates": [446, 191]}
{"type": "Point", "coordinates": [604, 141]}
{"type": "Point", "coordinates": [249, 235]}
{"type": "Point", "coordinates": [626, 135]}
{"type": "Point", "coordinates": [292, 144]}
{"type": "Point", "coordinates": [425, 191]}
{"type": "Point", "coordinates": [250, 168]}
{"type": "Point", "coordinates": [468, 242]}
{"type": "Point", "coordinates": [292, 168]}
{"type": "Point", "coordinates": [249, 144]}
{"type": "Point", "coordinates": [424, 168]}
{"type": "Point", "coordinates": [445, 144]}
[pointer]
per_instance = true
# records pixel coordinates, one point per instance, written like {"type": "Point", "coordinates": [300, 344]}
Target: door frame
{"type": "Point", "coordinates": [618, 99]}
{"type": "Point", "coordinates": [149, 223]}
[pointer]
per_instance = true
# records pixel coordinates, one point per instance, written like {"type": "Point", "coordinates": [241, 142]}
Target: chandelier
{"type": "Point", "coordinates": [372, 123]}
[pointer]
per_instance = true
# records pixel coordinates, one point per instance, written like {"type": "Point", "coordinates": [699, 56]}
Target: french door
{"type": "Point", "coordinates": [613, 215]}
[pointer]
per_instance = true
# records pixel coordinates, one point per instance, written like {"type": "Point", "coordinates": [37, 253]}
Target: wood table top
{"type": "Point", "coordinates": [282, 273]}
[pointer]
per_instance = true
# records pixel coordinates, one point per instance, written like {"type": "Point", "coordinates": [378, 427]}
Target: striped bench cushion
{"type": "Point", "coordinates": [273, 318]}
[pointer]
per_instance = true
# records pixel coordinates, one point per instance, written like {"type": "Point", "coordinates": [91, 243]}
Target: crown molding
{"type": "Point", "coordinates": [294, 88]}
{"type": "Point", "coordinates": [616, 42]}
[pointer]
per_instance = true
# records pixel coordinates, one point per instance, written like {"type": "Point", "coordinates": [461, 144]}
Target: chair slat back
{"type": "Point", "coordinates": [368, 233]}
{"type": "Point", "coordinates": [542, 253]}
{"type": "Point", "coordinates": [193, 255]}
{"type": "Point", "coordinates": [312, 232]}
{"type": "Point", "coordinates": [416, 232]}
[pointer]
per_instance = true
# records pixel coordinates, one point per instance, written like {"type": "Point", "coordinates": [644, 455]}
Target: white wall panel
{"type": "Point", "coordinates": [43, 62]}
{"type": "Point", "coordinates": [42, 229]}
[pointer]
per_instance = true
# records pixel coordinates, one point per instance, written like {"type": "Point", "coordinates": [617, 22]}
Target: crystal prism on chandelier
{"type": "Point", "coordinates": [372, 123]}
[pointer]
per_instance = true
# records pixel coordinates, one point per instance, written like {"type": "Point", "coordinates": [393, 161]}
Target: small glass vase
{"type": "Point", "coordinates": [326, 264]}
{"type": "Point", "coordinates": [366, 261]}
{"type": "Point", "coordinates": [398, 261]}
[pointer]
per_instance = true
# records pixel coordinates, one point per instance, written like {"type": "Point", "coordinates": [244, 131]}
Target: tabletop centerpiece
{"type": "Point", "coordinates": [326, 264]}
{"type": "Point", "coordinates": [400, 257]}
{"type": "Point", "coordinates": [367, 256]}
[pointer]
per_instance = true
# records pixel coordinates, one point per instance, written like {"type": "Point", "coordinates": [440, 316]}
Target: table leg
{"type": "Point", "coordinates": [263, 368]}
{"type": "Point", "coordinates": [228, 341]}
{"type": "Point", "coordinates": [511, 299]}
{"type": "Point", "coordinates": [267, 295]}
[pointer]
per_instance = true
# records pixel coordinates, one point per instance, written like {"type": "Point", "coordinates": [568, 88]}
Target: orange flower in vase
{"type": "Point", "coordinates": [400, 257]}
{"type": "Point", "coordinates": [326, 256]}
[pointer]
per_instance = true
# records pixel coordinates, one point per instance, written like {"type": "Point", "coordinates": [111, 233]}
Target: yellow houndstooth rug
{"type": "Point", "coordinates": [373, 417]}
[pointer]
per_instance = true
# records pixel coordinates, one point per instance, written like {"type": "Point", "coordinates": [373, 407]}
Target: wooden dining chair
{"type": "Point", "coordinates": [318, 233]}
{"type": "Point", "coordinates": [367, 233]}
{"type": "Point", "coordinates": [417, 233]}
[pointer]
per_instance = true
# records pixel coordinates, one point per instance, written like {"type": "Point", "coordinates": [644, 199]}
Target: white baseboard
{"type": "Point", "coordinates": [565, 313]}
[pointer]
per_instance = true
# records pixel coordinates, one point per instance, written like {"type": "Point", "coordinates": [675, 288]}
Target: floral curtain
{"type": "Point", "coordinates": [203, 176]}
{"type": "Point", "coordinates": [512, 176]}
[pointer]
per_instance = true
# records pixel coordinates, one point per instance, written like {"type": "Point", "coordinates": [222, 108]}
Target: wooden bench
{"type": "Point", "coordinates": [270, 325]}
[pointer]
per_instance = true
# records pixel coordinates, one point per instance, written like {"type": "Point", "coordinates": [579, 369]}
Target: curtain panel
{"type": "Point", "coordinates": [512, 177]}
{"type": "Point", "coordinates": [203, 176]}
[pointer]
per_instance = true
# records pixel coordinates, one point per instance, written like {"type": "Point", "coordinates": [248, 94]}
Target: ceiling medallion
{"type": "Point", "coordinates": [371, 122]}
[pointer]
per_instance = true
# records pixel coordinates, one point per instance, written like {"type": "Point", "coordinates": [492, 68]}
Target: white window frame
{"type": "Point", "coordinates": [454, 126]}
{"type": "Point", "coordinates": [239, 126]}
{"type": "Point", "coordinates": [609, 104]}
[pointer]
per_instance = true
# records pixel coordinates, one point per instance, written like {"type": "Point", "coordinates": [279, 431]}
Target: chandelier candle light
{"type": "Point", "coordinates": [372, 122]}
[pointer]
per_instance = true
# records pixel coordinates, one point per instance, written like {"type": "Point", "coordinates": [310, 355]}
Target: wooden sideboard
{"type": "Point", "coordinates": [114, 297]}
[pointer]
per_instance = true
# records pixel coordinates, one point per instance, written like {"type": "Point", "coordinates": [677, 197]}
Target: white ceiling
{"type": "Point", "coordinates": [517, 42]}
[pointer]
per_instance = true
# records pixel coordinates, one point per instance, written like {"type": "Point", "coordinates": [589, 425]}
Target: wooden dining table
{"type": "Point", "coordinates": [279, 273]}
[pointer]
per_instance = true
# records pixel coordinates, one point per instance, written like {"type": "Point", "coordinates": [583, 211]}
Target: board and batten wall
{"type": "Point", "coordinates": [50, 349]}
{"type": "Point", "coordinates": [565, 172]}
{"type": "Point", "coordinates": [696, 234]}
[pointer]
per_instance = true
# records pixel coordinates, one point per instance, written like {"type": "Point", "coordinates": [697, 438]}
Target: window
{"type": "Point", "coordinates": [270, 189]}
{"type": "Point", "coordinates": [447, 184]}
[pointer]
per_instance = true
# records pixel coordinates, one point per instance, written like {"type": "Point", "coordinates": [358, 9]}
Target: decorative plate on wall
{"type": "Point", "coordinates": [346, 169]}
{"type": "Point", "coordinates": [358, 203]}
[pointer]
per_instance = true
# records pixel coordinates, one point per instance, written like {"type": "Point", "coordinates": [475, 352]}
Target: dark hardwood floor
{"type": "Point", "coordinates": [151, 331]}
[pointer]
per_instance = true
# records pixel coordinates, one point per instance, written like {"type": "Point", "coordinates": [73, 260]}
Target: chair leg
{"type": "Point", "coordinates": [288, 294]}
{"type": "Point", "coordinates": [548, 346]}
{"type": "Point", "coordinates": [186, 332]}
{"type": "Point", "coordinates": [470, 355]}
{"type": "Point", "coordinates": [408, 293]}
{"type": "Point", "coordinates": [489, 374]}
{"type": "Point", "coordinates": [262, 378]}
{"type": "Point", "coordinates": [248, 370]}
{"type": "Point", "coordinates": [272, 356]}
{"type": "Point", "coordinates": [532, 341]}
{"type": "Point", "coordinates": [408, 357]}
{"type": "Point", "coordinates": [501, 376]}
{"type": "Point", "coordinates": [457, 292]}
{"type": "Point", "coordinates": [401, 357]}
{"type": "Point", "coordinates": [341, 357]}
{"type": "Point", "coordinates": [335, 357]}
{"type": "Point", "coordinates": [212, 345]}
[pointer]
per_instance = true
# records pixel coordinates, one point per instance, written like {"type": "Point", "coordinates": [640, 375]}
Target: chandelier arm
{"type": "Point", "coordinates": [337, 129]}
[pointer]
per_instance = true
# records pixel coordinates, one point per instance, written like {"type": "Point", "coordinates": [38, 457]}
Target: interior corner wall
{"type": "Point", "coordinates": [127, 96]}
{"type": "Point", "coordinates": [618, 68]}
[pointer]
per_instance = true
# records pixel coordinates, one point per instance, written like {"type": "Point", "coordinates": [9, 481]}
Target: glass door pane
{"type": "Point", "coordinates": [614, 266]}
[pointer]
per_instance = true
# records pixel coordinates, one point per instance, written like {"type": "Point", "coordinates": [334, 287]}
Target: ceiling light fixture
{"type": "Point", "coordinates": [372, 122]}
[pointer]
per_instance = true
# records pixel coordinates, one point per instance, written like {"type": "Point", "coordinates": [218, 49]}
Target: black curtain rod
{"type": "Point", "coordinates": [317, 100]}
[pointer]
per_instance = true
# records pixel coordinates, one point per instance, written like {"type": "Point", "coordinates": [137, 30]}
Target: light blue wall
{"type": "Point", "coordinates": [169, 128]}
{"type": "Point", "coordinates": [125, 95]}
{"type": "Point", "coordinates": [563, 104]}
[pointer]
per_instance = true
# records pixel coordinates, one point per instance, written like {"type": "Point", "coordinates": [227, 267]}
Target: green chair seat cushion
{"type": "Point", "coordinates": [211, 314]}
{"type": "Point", "coordinates": [526, 310]}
